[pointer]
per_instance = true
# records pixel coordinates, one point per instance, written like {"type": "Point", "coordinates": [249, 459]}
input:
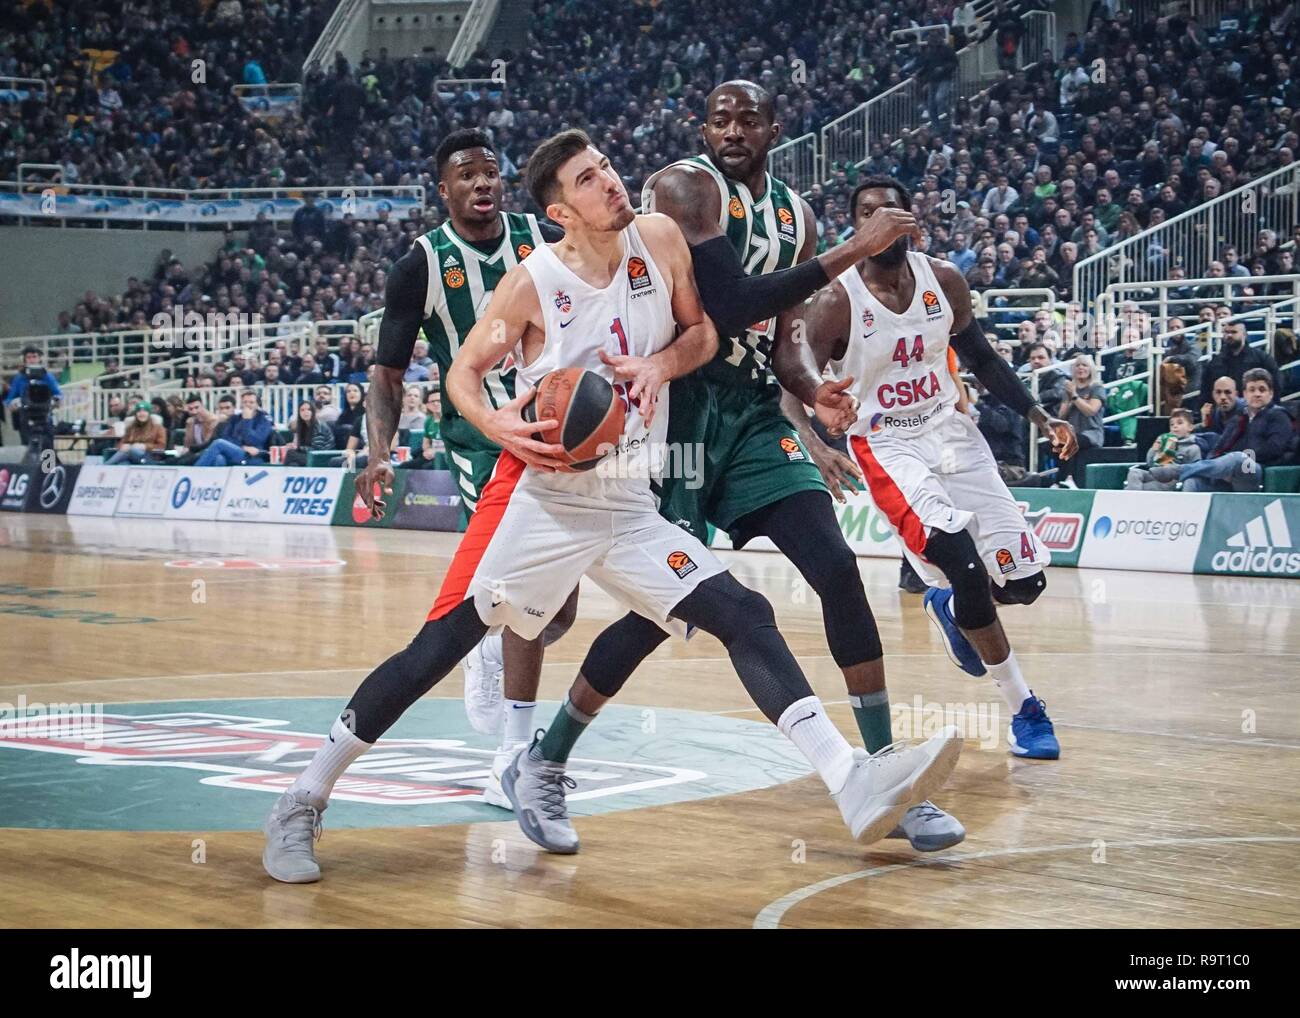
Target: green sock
{"type": "Point", "coordinates": [872, 713]}
{"type": "Point", "coordinates": [569, 723]}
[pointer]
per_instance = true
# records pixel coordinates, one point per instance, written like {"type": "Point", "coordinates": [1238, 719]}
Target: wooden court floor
{"type": "Point", "coordinates": [1175, 802]}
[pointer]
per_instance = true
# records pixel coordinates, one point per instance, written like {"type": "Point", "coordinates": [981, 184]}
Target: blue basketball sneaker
{"type": "Point", "coordinates": [938, 605]}
{"type": "Point", "coordinates": [1031, 734]}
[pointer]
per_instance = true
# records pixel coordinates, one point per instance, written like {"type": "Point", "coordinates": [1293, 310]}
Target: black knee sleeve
{"type": "Point", "coordinates": [616, 652]}
{"type": "Point", "coordinates": [959, 560]}
{"type": "Point", "coordinates": [743, 620]}
{"type": "Point", "coordinates": [804, 529]}
{"type": "Point", "coordinates": [391, 688]}
{"type": "Point", "coordinates": [1025, 590]}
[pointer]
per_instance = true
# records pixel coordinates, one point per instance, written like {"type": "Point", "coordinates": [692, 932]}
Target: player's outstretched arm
{"type": "Point", "coordinates": [697, 340]}
{"type": "Point", "coordinates": [734, 300]}
{"type": "Point", "coordinates": [398, 330]}
{"type": "Point", "coordinates": [994, 373]}
{"type": "Point", "coordinates": [512, 312]}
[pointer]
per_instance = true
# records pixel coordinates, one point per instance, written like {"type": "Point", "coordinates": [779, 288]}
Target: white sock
{"type": "Point", "coordinates": [333, 758]}
{"type": "Point", "coordinates": [805, 724]}
{"type": "Point", "coordinates": [519, 722]}
{"type": "Point", "coordinates": [1011, 684]}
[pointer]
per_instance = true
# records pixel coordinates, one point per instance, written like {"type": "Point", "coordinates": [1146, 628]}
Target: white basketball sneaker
{"type": "Point", "coordinates": [291, 832]}
{"type": "Point", "coordinates": [484, 678]}
{"type": "Point", "coordinates": [493, 793]}
{"type": "Point", "coordinates": [882, 786]}
{"type": "Point", "coordinates": [929, 829]}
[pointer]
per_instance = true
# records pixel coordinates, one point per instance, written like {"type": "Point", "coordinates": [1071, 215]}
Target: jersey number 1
{"type": "Point", "coordinates": [616, 327]}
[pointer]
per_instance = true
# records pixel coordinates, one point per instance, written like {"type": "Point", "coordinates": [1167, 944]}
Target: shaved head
{"type": "Point", "coordinates": [747, 93]}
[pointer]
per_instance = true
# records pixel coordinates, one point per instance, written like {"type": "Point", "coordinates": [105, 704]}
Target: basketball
{"type": "Point", "coordinates": [589, 411]}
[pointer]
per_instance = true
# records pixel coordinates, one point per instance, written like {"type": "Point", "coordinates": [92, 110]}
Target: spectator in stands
{"type": "Point", "coordinates": [325, 408]}
{"type": "Point", "coordinates": [111, 378]}
{"type": "Point", "coordinates": [199, 430]}
{"type": "Point", "coordinates": [411, 417]}
{"type": "Point", "coordinates": [1168, 452]}
{"type": "Point", "coordinates": [1181, 349]}
{"type": "Point", "coordinates": [1083, 401]}
{"type": "Point", "coordinates": [310, 434]}
{"type": "Point", "coordinates": [143, 435]}
{"type": "Point", "coordinates": [309, 374]}
{"type": "Point", "coordinates": [1217, 417]}
{"type": "Point", "coordinates": [430, 447]}
{"type": "Point", "coordinates": [117, 408]}
{"type": "Point", "coordinates": [1257, 438]}
{"type": "Point", "coordinates": [348, 422]}
{"type": "Point", "coordinates": [244, 439]}
{"type": "Point", "coordinates": [1235, 358]}
{"type": "Point", "coordinates": [416, 372]}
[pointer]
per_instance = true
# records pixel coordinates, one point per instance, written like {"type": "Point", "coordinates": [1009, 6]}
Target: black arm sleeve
{"type": "Point", "coordinates": [994, 373]}
{"type": "Point", "coordinates": [734, 300]}
{"type": "Point", "coordinates": [408, 281]}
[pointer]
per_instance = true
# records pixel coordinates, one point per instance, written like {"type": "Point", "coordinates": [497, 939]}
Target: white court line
{"type": "Point", "coordinates": [771, 915]}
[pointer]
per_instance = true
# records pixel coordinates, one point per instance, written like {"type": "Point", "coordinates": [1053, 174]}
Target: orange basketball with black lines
{"type": "Point", "coordinates": [590, 413]}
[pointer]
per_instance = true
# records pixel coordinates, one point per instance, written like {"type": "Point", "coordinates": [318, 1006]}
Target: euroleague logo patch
{"type": "Point", "coordinates": [682, 564]}
{"type": "Point", "coordinates": [1005, 561]}
{"type": "Point", "coordinates": [791, 448]}
{"type": "Point", "coordinates": [454, 278]}
{"type": "Point", "coordinates": [736, 209]}
{"type": "Point", "coordinates": [786, 220]}
{"type": "Point", "coordinates": [638, 276]}
{"type": "Point", "coordinates": [931, 301]}
{"type": "Point", "coordinates": [523, 251]}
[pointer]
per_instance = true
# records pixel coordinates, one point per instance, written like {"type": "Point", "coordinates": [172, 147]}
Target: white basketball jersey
{"type": "Point", "coordinates": [633, 316]}
{"type": "Point", "coordinates": [899, 362]}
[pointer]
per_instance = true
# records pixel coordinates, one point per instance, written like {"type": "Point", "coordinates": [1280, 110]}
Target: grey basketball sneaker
{"type": "Point", "coordinates": [883, 786]}
{"type": "Point", "coordinates": [535, 789]}
{"type": "Point", "coordinates": [291, 831]}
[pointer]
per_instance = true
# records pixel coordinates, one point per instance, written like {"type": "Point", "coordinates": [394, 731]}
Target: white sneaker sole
{"type": "Point", "coordinates": [494, 795]}
{"type": "Point", "coordinates": [878, 820]}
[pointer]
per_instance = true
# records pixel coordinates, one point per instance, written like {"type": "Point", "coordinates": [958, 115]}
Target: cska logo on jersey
{"type": "Point", "coordinates": [562, 302]}
{"type": "Point", "coordinates": [454, 278]}
{"type": "Point", "coordinates": [868, 319]}
{"type": "Point", "coordinates": [523, 251]}
{"type": "Point", "coordinates": [736, 209]}
{"type": "Point", "coordinates": [931, 301]}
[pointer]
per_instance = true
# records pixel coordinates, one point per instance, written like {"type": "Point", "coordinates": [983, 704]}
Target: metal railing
{"type": "Point", "coordinates": [142, 351]}
{"type": "Point", "coordinates": [328, 43]}
{"type": "Point", "coordinates": [9, 84]}
{"type": "Point", "coordinates": [795, 162]}
{"type": "Point", "coordinates": [1195, 238]}
{"type": "Point", "coordinates": [474, 28]}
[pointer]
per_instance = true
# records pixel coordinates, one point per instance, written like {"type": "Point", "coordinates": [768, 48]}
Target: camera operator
{"type": "Point", "coordinates": [33, 394]}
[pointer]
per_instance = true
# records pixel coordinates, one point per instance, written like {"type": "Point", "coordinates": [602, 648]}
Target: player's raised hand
{"type": "Point", "coordinates": [373, 482]}
{"type": "Point", "coordinates": [507, 428]}
{"type": "Point", "coordinates": [882, 228]}
{"type": "Point", "coordinates": [644, 378]}
{"type": "Point", "coordinates": [834, 407]}
{"type": "Point", "coordinates": [838, 471]}
{"type": "Point", "coordinates": [1064, 442]}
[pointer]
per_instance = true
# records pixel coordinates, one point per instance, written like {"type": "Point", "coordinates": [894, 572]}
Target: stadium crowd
{"type": "Point", "coordinates": [1122, 129]}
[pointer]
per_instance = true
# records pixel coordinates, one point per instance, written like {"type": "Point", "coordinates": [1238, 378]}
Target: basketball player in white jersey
{"type": "Point", "coordinates": [888, 323]}
{"type": "Point", "coordinates": [608, 298]}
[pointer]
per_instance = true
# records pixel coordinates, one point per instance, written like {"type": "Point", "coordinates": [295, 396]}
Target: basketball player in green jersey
{"type": "Point", "coordinates": [752, 242]}
{"type": "Point", "coordinates": [440, 288]}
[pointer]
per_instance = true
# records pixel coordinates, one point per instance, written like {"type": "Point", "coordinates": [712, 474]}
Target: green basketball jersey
{"type": "Point", "coordinates": [767, 235]}
{"type": "Point", "coordinates": [461, 281]}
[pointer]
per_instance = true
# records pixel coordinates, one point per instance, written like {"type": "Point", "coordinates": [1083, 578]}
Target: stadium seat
{"type": "Point", "coordinates": [1109, 476]}
{"type": "Point", "coordinates": [1282, 479]}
